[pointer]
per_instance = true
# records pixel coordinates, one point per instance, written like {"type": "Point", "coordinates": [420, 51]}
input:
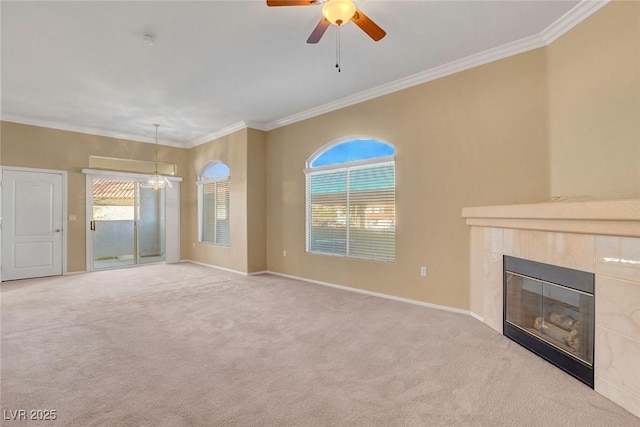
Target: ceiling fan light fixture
{"type": "Point", "coordinates": [339, 12]}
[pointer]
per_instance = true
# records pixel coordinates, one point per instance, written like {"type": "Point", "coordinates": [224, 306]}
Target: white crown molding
{"type": "Point", "coordinates": [131, 137]}
{"type": "Point", "coordinates": [218, 134]}
{"type": "Point", "coordinates": [244, 124]}
{"type": "Point", "coordinates": [569, 20]}
{"type": "Point", "coordinates": [565, 23]}
{"type": "Point", "coordinates": [256, 125]}
{"type": "Point", "coordinates": [85, 129]}
{"type": "Point", "coordinates": [573, 17]}
{"type": "Point", "coordinates": [490, 55]}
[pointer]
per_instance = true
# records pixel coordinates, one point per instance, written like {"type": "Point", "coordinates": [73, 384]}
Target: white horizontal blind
{"type": "Point", "coordinates": [328, 212]}
{"type": "Point", "coordinates": [351, 212]}
{"type": "Point", "coordinates": [215, 212]}
{"type": "Point", "coordinates": [208, 209]}
{"type": "Point", "coordinates": [372, 212]}
{"type": "Point", "coordinates": [222, 213]}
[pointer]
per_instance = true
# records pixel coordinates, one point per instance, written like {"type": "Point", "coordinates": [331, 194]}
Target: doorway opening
{"type": "Point", "coordinates": [127, 223]}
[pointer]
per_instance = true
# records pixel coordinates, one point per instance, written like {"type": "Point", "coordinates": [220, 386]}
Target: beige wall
{"type": "Point", "coordinates": [244, 153]}
{"type": "Point", "coordinates": [594, 105]}
{"type": "Point", "coordinates": [232, 150]}
{"type": "Point", "coordinates": [474, 138]}
{"type": "Point", "coordinates": [44, 148]}
{"type": "Point", "coordinates": [561, 120]}
{"type": "Point", "coordinates": [256, 200]}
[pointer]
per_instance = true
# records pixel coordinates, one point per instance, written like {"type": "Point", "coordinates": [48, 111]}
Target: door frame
{"type": "Point", "coordinates": [65, 218]}
{"type": "Point", "coordinates": [170, 216]}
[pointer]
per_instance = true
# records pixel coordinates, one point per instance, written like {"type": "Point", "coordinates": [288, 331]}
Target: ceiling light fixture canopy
{"type": "Point", "coordinates": [156, 181]}
{"type": "Point", "coordinates": [149, 39]}
{"type": "Point", "coordinates": [339, 12]}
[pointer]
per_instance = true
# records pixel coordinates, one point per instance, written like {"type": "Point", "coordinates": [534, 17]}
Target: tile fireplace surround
{"type": "Point", "coordinates": [601, 237]}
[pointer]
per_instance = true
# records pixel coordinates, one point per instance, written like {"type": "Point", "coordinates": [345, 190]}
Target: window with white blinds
{"type": "Point", "coordinates": [351, 203]}
{"type": "Point", "coordinates": [213, 205]}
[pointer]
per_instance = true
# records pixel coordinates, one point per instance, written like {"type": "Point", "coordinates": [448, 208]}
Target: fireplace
{"type": "Point", "coordinates": [550, 310]}
{"type": "Point", "coordinates": [600, 237]}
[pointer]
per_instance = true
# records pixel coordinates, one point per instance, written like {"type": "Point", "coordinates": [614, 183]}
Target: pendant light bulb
{"type": "Point", "coordinates": [156, 181]}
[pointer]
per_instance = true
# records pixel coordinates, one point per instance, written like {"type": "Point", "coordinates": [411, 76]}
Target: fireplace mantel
{"type": "Point", "coordinates": [600, 237]}
{"type": "Point", "coordinates": [604, 217]}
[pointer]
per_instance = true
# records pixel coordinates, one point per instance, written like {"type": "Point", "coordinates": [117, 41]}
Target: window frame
{"type": "Point", "coordinates": [201, 182]}
{"type": "Point", "coordinates": [309, 171]}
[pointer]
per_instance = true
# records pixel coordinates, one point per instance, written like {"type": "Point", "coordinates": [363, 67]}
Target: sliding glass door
{"type": "Point", "coordinates": [128, 223]}
{"type": "Point", "coordinates": [151, 225]}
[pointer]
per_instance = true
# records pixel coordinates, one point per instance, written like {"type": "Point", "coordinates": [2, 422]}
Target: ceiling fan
{"type": "Point", "coordinates": [336, 12]}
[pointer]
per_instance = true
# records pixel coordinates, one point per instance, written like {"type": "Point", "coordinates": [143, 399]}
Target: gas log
{"type": "Point", "coordinates": [565, 322]}
{"type": "Point", "coordinates": [570, 338]}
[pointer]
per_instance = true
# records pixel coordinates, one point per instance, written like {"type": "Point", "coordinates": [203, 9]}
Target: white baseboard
{"type": "Point", "coordinates": [375, 294]}
{"type": "Point", "coordinates": [476, 316]}
{"type": "Point", "coordinates": [257, 273]}
{"type": "Point", "coordinates": [73, 273]}
{"type": "Point", "coordinates": [333, 285]}
{"type": "Point", "coordinates": [217, 267]}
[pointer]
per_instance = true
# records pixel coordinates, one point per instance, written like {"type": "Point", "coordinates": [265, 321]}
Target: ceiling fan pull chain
{"type": "Point", "coordinates": [338, 48]}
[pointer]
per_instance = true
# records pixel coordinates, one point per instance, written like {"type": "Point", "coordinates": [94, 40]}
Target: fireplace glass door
{"type": "Point", "coordinates": [559, 315]}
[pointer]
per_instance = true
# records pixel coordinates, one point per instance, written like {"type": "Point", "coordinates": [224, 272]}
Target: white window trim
{"type": "Point", "coordinates": [352, 165]}
{"type": "Point", "coordinates": [342, 140]}
{"type": "Point", "coordinates": [203, 181]}
{"type": "Point", "coordinates": [108, 174]}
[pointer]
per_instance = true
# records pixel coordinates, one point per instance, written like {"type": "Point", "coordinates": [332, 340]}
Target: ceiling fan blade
{"type": "Point", "coordinates": [317, 33]}
{"type": "Point", "coordinates": [368, 26]}
{"type": "Point", "coordinates": [291, 2]}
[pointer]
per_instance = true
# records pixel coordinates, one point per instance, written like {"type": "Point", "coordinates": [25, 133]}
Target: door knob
{"type": "Point", "coordinates": [58, 230]}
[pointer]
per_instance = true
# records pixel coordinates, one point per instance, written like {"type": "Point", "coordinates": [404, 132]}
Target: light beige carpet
{"type": "Point", "coordinates": [186, 345]}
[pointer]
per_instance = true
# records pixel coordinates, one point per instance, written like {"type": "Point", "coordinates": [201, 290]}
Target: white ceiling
{"type": "Point", "coordinates": [221, 65]}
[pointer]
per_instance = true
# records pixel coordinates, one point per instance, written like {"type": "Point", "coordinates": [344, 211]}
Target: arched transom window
{"type": "Point", "coordinates": [351, 200]}
{"type": "Point", "coordinates": [213, 204]}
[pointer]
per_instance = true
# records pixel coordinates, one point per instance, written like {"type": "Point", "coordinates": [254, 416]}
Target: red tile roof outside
{"type": "Point", "coordinates": [112, 189]}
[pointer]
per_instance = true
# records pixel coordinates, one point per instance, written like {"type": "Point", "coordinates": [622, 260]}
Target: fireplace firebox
{"type": "Point", "coordinates": [550, 310]}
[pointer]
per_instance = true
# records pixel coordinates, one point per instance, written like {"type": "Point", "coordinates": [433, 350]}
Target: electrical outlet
{"type": "Point", "coordinates": [284, 253]}
{"type": "Point", "coordinates": [423, 271]}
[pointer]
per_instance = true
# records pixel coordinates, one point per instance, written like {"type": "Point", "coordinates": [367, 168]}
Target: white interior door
{"type": "Point", "coordinates": [32, 237]}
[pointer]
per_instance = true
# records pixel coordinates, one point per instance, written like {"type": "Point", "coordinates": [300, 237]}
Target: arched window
{"type": "Point", "coordinates": [213, 204]}
{"type": "Point", "coordinates": [351, 200]}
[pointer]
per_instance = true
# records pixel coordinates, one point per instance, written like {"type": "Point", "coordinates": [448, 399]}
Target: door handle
{"type": "Point", "coordinates": [92, 226]}
{"type": "Point", "coordinates": [58, 230]}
